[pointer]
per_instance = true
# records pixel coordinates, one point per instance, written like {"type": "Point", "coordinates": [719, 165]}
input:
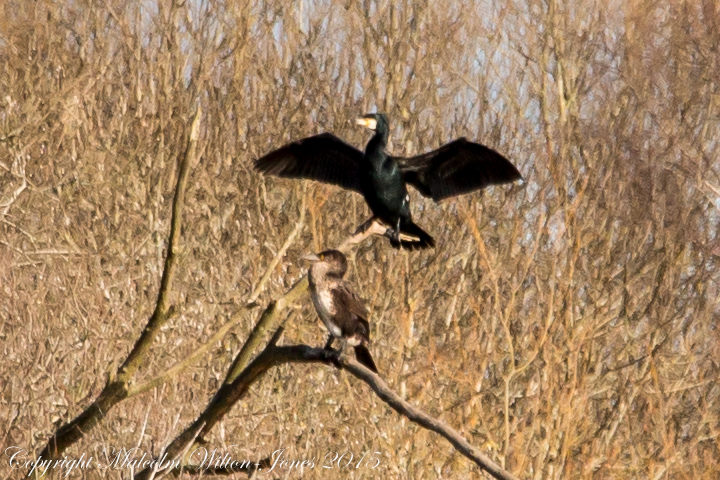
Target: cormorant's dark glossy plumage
{"type": "Point", "coordinates": [341, 310]}
{"type": "Point", "coordinates": [455, 168]}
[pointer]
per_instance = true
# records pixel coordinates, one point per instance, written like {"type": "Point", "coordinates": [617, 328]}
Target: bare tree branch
{"type": "Point", "coordinates": [116, 389]}
{"type": "Point", "coordinates": [162, 307]}
{"type": "Point", "coordinates": [230, 393]}
{"type": "Point", "coordinates": [423, 419]}
{"type": "Point", "coordinates": [281, 253]}
{"type": "Point", "coordinates": [243, 373]}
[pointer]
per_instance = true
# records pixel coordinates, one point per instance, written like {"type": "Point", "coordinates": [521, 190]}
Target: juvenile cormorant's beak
{"type": "Point", "coordinates": [370, 123]}
{"type": "Point", "coordinates": [310, 257]}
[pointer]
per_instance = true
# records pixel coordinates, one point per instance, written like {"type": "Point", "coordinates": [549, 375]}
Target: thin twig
{"type": "Point", "coordinates": [19, 167]}
{"type": "Point", "coordinates": [193, 357]}
{"type": "Point", "coordinates": [52, 251]}
{"type": "Point", "coordinates": [14, 197]}
{"type": "Point", "coordinates": [291, 238]}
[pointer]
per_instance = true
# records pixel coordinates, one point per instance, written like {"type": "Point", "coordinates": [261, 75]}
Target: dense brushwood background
{"type": "Point", "coordinates": [567, 326]}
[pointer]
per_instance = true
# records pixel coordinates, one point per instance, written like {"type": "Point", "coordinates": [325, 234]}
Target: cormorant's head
{"type": "Point", "coordinates": [330, 262]}
{"type": "Point", "coordinates": [373, 121]}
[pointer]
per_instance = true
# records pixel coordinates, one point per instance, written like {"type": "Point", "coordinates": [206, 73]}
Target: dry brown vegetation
{"type": "Point", "coordinates": [568, 327]}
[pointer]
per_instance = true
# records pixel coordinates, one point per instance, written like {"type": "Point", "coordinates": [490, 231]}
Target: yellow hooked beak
{"type": "Point", "coordinates": [370, 123]}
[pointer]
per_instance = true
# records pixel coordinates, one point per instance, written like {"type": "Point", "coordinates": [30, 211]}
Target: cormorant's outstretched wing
{"type": "Point", "coordinates": [323, 157]}
{"type": "Point", "coordinates": [455, 168]}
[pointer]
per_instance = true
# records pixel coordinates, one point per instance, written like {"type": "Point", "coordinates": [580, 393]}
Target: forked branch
{"type": "Point", "coordinates": [243, 373]}
{"type": "Point", "coordinates": [230, 393]}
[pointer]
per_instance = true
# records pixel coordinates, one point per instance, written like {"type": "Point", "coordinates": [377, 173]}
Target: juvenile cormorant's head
{"type": "Point", "coordinates": [329, 262]}
{"type": "Point", "coordinates": [374, 121]}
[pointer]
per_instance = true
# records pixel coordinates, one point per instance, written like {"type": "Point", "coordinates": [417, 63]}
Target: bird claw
{"type": "Point", "coordinates": [332, 356]}
{"type": "Point", "coordinates": [393, 235]}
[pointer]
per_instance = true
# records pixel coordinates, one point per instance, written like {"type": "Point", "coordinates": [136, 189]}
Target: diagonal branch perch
{"type": "Point", "coordinates": [416, 415]}
{"type": "Point", "coordinates": [243, 373]}
{"type": "Point", "coordinates": [230, 393]}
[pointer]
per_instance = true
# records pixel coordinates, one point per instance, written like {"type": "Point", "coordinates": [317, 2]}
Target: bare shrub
{"type": "Point", "coordinates": [568, 326]}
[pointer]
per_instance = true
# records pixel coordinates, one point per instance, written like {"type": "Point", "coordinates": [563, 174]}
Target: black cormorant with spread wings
{"type": "Point", "coordinates": [455, 168]}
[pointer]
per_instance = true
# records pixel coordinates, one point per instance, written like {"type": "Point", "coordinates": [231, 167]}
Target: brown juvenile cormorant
{"type": "Point", "coordinates": [337, 305]}
{"type": "Point", "coordinates": [455, 168]}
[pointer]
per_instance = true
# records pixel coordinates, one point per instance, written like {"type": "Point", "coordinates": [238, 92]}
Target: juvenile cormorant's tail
{"type": "Point", "coordinates": [363, 356]}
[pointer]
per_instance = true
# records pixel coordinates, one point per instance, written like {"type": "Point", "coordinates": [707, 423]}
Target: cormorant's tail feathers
{"type": "Point", "coordinates": [365, 358]}
{"type": "Point", "coordinates": [419, 238]}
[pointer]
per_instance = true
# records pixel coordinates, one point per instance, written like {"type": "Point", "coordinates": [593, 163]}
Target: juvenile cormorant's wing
{"type": "Point", "coordinates": [455, 168]}
{"type": "Point", "coordinates": [351, 314]}
{"type": "Point", "coordinates": [323, 157]}
{"type": "Point", "coordinates": [351, 317]}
